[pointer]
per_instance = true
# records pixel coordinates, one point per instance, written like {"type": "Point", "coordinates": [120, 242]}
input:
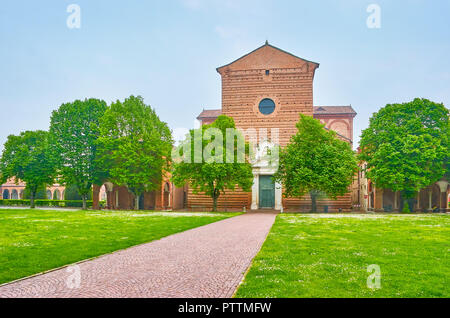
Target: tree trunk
{"type": "Point", "coordinates": [136, 201]}
{"type": "Point", "coordinates": [84, 196]}
{"type": "Point", "coordinates": [313, 201]}
{"type": "Point", "coordinates": [214, 209]}
{"type": "Point", "coordinates": [215, 197]}
{"type": "Point", "coordinates": [32, 195]}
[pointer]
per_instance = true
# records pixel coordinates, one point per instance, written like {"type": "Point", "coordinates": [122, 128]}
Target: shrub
{"type": "Point", "coordinates": [71, 193]}
{"type": "Point", "coordinates": [40, 194]}
{"type": "Point", "coordinates": [406, 207]}
{"type": "Point", "coordinates": [48, 203]}
{"type": "Point", "coordinates": [10, 202]}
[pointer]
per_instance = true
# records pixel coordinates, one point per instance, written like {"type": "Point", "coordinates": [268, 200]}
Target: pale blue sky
{"type": "Point", "coordinates": [167, 52]}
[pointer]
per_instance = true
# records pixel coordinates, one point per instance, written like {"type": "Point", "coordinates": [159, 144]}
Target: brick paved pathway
{"type": "Point", "coordinates": [208, 261]}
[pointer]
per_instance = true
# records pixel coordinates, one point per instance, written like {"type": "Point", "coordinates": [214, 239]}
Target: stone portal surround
{"type": "Point", "coordinates": [255, 188]}
{"type": "Point", "coordinates": [261, 167]}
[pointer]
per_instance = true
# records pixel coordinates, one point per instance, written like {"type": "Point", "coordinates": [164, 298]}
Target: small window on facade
{"type": "Point", "coordinates": [267, 72]}
{"type": "Point", "coordinates": [266, 106]}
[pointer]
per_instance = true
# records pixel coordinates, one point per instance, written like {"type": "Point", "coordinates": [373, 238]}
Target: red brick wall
{"type": "Point", "coordinates": [289, 84]}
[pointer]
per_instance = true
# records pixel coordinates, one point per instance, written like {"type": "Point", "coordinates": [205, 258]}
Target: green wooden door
{"type": "Point", "coordinates": [266, 192]}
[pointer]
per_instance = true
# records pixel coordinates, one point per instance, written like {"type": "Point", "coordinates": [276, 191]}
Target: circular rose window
{"type": "Point", "coordinates": [266, 106]}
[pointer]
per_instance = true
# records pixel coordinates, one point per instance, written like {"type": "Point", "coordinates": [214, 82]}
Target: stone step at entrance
{"type": "Point", "coordinates": [268, 211]}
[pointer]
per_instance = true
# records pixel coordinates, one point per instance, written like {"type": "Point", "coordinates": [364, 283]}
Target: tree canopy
{"type": "Point", "coordinates": [29, 158]}
{"type": "Point", "coordinates": [316, 162]}
{"type": "Point", "coordinates": [406, 146]}
{"type": "Point", "coordinates": [41, 193]}
{"type": "Point", "coordinates": [135, 146]}
{"type": "Point", "coordinates": [74, 132]}
{"type": "Point", "coordinates": [212, 159]}
{"type": "Point", "coordinates": [71, 193]}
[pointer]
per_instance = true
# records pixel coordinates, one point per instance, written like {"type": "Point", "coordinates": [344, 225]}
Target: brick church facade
{"type": "Point", "coordinates": [268, 88]}
{"type": "Point", "coordinates": [265, 89]}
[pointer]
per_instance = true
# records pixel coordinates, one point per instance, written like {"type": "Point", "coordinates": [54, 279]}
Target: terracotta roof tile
{"type": "Point", "coordinates": [210, 113]}
{"type": "Point", "coordinates": [272, 46]}
{"type": "Point", "coordinates": [333, 110]}
{"type": "Point", "coordinates": [318, 110]}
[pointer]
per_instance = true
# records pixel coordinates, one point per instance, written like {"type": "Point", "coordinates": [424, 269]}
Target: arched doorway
{"type": "Point", "coordinates": [371, 196]}
{"type": "Point", "coordinates": [388, 200]}
{"type": "Point", "coordinates": [14, 195]}
{"type": "Point", "coordinates": [56, 195]}
{"type": "Point", "coordinates": [141, 202]}
{"type": "Point", "coordinates": [423, 200]}
{"type": "Point", "coordinates": [103, 195]}
{"type": "Point", "coordinates": [435, 198]}
{"type": "Point", "coordinates": [6, 194]}
{"type": "Point", "coordinates": [166, 202]}
{"type": "Point", "coordinates": [49, 195]}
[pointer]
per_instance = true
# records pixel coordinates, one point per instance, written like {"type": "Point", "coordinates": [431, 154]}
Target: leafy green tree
{"type": "Point", "coordinates": [135, 146]}
{"type": "Point", "coordinates": [41, 193]}
{"type": "Point", "coordinates": [28, 157]}
{"type": "Point", "coordinates": [406, 146]}
{"type": "Point", "coordinates": [208, 165]}
{"type": "Point", "coordinates": [316, 162]}
{"type": "Point", "coordinates": [74, 132]}
{"type": "Point", "coordinates": [71, 193]}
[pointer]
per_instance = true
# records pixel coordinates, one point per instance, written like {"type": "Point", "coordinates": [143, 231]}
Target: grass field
{"type": "Point", "coordinates": [328, 256]}
{"type": "Point", "coordinates": [36, 241]}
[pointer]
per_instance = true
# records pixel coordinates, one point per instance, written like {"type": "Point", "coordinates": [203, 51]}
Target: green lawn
{"type": "Point", "coordinates": [36, 241]}
{"type": "Point", "coordinates": [328, 255]}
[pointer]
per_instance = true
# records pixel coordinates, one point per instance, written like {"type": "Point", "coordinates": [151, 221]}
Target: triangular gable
{"type": "Point", "coordinates": [267, 56]}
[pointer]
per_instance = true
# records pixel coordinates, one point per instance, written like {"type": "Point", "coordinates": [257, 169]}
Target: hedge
{"type": "Point", "coordinates": [50, 203]}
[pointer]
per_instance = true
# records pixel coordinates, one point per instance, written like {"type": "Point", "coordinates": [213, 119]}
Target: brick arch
{"type": "Point", "coordinates": [388, 200]}
{"type": "Point", "coordinates": [103, 193]}
{"type": "Point", "coordinates": [371, 195]}
{"type": "Point", "coordinates": [167, 189]}
{"type": "Point", "coordinates": [345, 133]}
{"type": "Point", "coordinates": [5, 194]}
{"type": "Point", "coordinates": [14, 194]}
{"type": "Point", "coordinates": [334, 121]}
{"type": "Point", "coordinates": [56, 195]}
{"type": "Point", "coordinates": [435, 196]}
